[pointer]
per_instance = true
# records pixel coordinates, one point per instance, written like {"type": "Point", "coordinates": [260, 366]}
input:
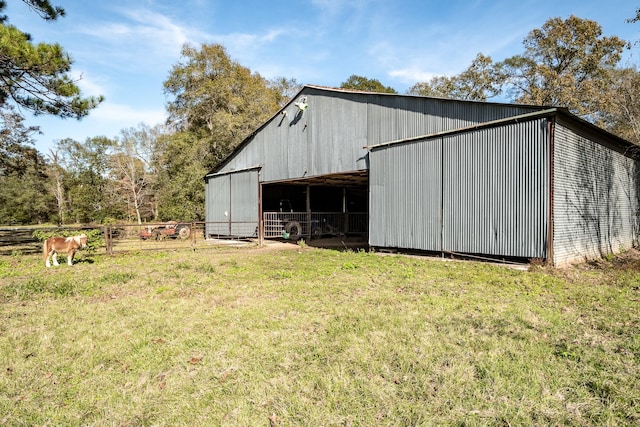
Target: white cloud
{"type": "Point", "coordinates": [159, 31]}
{"type": "Point", "coordinates": [87, 85]}
{"type": "Point", "coordinates": [112, 112]}
{"type": "Point", "coordinates": [144, 36]}
{"type": "Point", "coordinates": [243, 44]}
{"type": "Point", "coordinates": [411, 75]}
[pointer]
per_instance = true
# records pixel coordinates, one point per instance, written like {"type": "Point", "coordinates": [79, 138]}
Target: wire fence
{"type": "Point", "coordinates": [179, 235]}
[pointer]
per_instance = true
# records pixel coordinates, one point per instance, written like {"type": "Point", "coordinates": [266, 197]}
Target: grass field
{"type": "Point", "coordinates": [312, 337]}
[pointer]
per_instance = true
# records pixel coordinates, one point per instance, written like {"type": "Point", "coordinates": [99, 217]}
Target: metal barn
{"type": "Point", "coordinates": [427, 174]}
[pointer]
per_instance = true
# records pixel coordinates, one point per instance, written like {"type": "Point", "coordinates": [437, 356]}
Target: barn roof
{"type": "Point", "coordinates": [538, 111]}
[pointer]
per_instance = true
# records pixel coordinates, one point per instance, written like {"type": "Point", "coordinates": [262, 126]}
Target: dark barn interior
{"type": "Point", "coordinates": [320, 207]}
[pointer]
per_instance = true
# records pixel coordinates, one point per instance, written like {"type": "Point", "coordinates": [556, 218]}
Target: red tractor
{"type": "Point", "coordinates": [170, 229]}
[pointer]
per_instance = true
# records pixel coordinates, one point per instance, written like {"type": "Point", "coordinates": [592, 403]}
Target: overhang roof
{"type": "Point", "coordinates": [348, 179]}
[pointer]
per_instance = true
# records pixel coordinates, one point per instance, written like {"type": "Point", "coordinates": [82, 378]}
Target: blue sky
{"type": "Point", "coordinates": [125, 49]}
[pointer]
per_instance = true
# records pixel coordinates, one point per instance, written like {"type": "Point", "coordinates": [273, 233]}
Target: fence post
{"type": "Point", "coordinates": [107, 240]}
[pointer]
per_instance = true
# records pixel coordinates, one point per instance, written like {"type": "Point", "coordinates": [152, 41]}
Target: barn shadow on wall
{"type": "Point", "coordinates": [602, 194]}
{"type": "Point", "coordinates": [632, 193]}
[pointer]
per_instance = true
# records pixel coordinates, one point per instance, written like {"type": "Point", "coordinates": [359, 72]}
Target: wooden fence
{"type": "Point", "coordinates": [122, 237]}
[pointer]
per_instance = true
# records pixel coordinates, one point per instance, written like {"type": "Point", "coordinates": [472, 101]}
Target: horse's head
{"type": "Point", "coordinates": [82, 240]}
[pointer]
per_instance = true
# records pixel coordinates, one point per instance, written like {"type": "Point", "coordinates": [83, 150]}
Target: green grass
{"type": "Point", "coordinates": [316, 337]}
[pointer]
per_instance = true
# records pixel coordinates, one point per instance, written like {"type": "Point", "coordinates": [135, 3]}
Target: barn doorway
{"type": "Point", "coordinates": [326, 207]}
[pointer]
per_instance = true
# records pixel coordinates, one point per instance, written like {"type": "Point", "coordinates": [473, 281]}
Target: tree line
{"type": "Point", "coordinates": [156, 173]}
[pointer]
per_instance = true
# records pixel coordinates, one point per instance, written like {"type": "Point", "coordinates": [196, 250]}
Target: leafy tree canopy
{"type": "Point", "coordinates": [622, 114]}
{"type": "Point", "coordinates": [364, 84]}
{"type": "Point", "coordinates": [181, 187]}
{"type": "Point", "coordinates": [15, 137]}
{"type": "Point", "coordinates": [36, 76]}
{"type": "Point", "coordinates": [285, 88]}
{"type": "Point", "coordinates": [566, 63]}
{"type": "Point", "coordinates": [218, 99]}
{"type": "Point", "coordinates": [476, 83]}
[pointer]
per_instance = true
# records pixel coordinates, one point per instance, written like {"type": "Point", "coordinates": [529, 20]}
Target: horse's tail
{"type": "Point", "coordinates": [45, 251]}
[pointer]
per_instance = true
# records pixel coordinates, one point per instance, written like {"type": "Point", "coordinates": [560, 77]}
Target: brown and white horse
{"type": "Point", "coordinates": [55, 245]}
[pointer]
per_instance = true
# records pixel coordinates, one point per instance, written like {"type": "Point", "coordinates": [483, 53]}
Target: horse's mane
{"type": "Point", "coordinates": [76, 238]}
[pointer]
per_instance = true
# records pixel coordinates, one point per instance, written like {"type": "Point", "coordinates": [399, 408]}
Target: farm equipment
{"type": "Point", "coordinates": [292, 225]}
{"type": "Point", "coordinates": [170, 229]}
{"type": "Point", "coordinates": [291, 228]}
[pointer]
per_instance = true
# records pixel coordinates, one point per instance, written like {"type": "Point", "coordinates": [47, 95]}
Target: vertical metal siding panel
{"type": "Point", "coordinates": [276, 148]}
{"type": "Point", "coordinates": [296, 145]}
{"type": "Point", "coordinates": [397, 118]}
{"type": "Point", "coordinates": [217, 202]}
{"type": "Point", "coordinates": [596, 198]}
{"type": "Point", "coordinates": [244, 202]}
{"type": "Point", "coordinates": [406, 196]}
{"type": "Point", "coordinates": [337, 137]}
{"type": "Point", "coordinates": [459, 114]}
{"type": "Point", "coordinates": [489, 202]}
{"type": "Point", "coordinates": [377, 199]}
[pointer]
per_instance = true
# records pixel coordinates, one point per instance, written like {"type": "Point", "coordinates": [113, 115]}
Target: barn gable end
{"type": "Point", "coordinates": [503, 180]}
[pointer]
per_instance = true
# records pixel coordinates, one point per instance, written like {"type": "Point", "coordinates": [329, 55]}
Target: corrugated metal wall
{"type": "Point", "coordinates": [217, 204]}
{"type": "Point", "coordinates": [393, 119]}
{"type": "Point", "coordinates": [232, 203]}
{"type": "Point", "coordinates": [596, 196]}
{"type": "Point", "coordinates": [496, 191]}
{"type": "Point", "coordinates": [406, 196]}
{"type": "Point", "coordinates": [330, 136]}
{"type": "Point", "coordinates": [482, 192]}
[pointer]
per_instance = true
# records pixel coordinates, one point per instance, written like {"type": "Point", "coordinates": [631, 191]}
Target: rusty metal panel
{"type": "Point", "coordinates": [596, 203]}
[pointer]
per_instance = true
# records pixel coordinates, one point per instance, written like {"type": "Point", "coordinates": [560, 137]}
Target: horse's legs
{"type": "Point", "coordinates": [55, 258]}
{"type": "Point", "coordinates": [70, 256]}
{"type": "Point", "coordinates": [47, 262]}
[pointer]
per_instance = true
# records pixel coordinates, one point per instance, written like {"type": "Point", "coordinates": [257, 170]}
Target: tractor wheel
{"type": "Point", "coordinates": [294, 230]}
{"type": "Point", "coordinates": [183, 231]}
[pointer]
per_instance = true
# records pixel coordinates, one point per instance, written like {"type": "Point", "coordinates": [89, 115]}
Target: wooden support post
{"type": "Point", "coordinates": [308, 234]}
